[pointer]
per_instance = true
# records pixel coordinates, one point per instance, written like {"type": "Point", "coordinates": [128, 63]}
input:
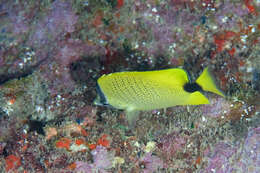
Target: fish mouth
{"type": "Point", "coordinates": [98, 101]}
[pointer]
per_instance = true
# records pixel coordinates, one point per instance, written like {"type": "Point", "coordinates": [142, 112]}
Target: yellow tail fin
{"type": "Point", "coordinates": [206, 81]}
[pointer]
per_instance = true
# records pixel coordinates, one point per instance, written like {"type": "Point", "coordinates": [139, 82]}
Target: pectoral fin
{"type": "Point", "coordinates": [132, 117]}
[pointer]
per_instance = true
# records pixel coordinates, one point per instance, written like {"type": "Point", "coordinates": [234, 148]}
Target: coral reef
{"type": "Point", "coordinates": [52, 53]}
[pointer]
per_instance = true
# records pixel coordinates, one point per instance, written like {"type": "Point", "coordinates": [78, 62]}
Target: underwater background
{"type": "Point", "coordinates": [53, 51]}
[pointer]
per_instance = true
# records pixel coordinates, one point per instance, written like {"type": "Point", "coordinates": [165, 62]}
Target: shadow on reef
{"type": "Point", "coordinates": [87, 70]}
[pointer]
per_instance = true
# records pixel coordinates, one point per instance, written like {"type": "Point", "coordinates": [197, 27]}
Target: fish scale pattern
{"type": "Point", "coordinates": [143, 91]}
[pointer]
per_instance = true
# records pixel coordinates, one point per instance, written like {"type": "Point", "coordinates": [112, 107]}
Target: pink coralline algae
{"type": "Point", "coordinates": [250, 158]}
{"type": "Point", "coordinates": [216, 108]}
{"type": "Point", "coordinates": [83, 167]}
{"type": "Point", "coordinates": [218, 159]}
{"type": "Point", "coordinates": [60, 20]}
{"type": "Point", "coordinates": [102, 160]}
{"type": "Point", "coordinates": [64, 16]}
{"type": "Point", "coordinates": [52, 53]}
{"type": "Point", "coordinates": [164, 24]}
{"type": "Point", "coordinates": [20, 26]}
{"type": "Point", "coordinates": [71, 51]}
{"type": "Point", "coordinates": [172, 144]}
{"type": "Point", "coordinates": [16, 24]}
{"type": "Point", "coordinates": [224, 17]}
{"type": "Point", "coordinates": [243, 157]}
{"type": "Point", "coordinates": [58, 72]}
{"type": "Point", "coordinates": [151, 163]}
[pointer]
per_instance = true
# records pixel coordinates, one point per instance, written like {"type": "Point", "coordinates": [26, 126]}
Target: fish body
{"type": "Point", "coordinates": [149, 90]}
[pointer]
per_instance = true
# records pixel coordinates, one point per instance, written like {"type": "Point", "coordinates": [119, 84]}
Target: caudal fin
{"type": "Point", "coordinates": [207, 82]}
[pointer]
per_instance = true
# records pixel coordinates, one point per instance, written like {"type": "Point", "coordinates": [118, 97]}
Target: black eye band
{"type": "Point", "coordinates": [103, 99]}
{"type": "Point", "coordinates": [192, 87]}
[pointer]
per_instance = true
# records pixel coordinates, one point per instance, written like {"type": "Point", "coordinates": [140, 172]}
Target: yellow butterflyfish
{"type": "Point", "coordinates": [149, 90]}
